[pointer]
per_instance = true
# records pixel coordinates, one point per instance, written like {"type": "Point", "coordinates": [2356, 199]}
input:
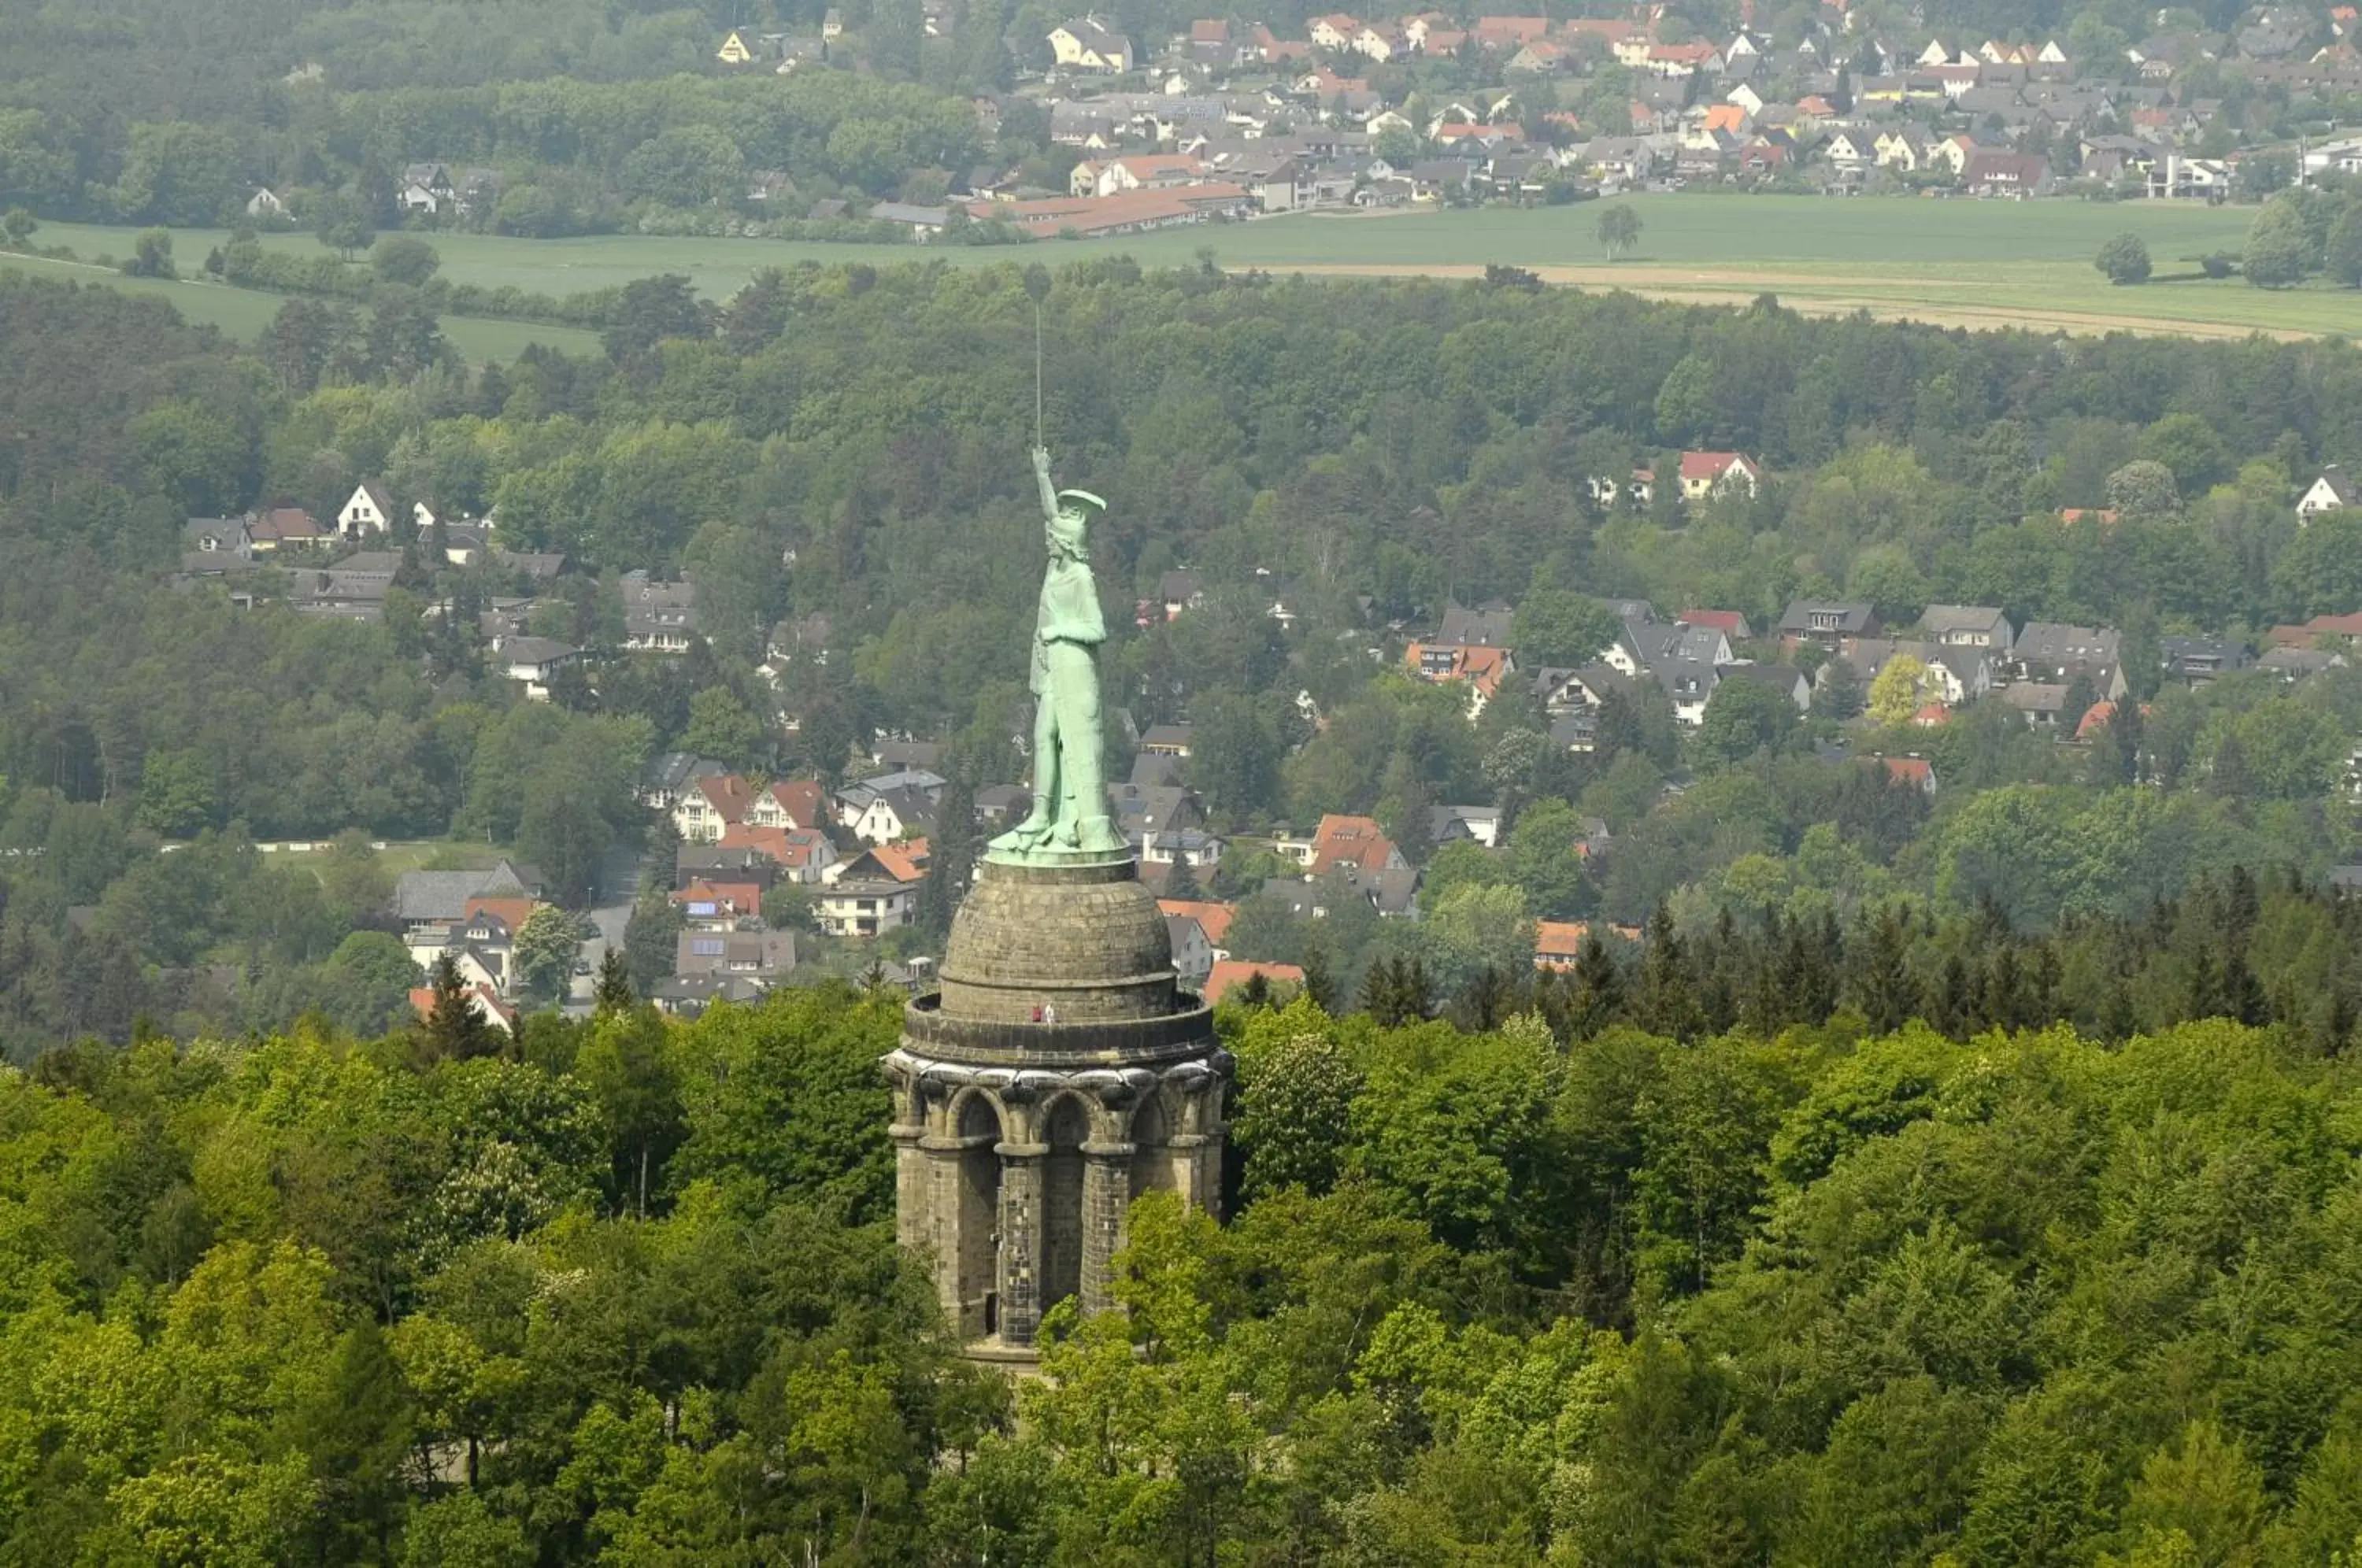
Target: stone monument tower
{"type": "Point", "coordinates": [1060, 1072]}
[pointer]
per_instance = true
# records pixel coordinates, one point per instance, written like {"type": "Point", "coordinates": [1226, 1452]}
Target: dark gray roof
{"type": "Point", "coordinates": [1484, 627]}
{"type": "Point", "coordinates": [1849, 619]}
{"type": "Point", "coordinates": [444, 895]}
{"type": "Point", "coordinates": [1939, 620]}
{"type": "Point", "coordinates": [2052, 644]}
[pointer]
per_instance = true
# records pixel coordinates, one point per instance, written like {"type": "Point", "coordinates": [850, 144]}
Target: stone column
{"type": "Point", "coordinates": [1021, 1239]}
{"type": "Point", "coordinates": [1197, 1179]}
{"type": "Point", "coordinates": [941, 1221]}
{"type": "Point", "coordinates": [1107, 1193]}
{"type": "Point", "coordinates": [912, 1179]}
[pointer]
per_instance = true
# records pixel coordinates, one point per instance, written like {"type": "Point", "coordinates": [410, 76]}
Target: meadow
{"type": "Point", "coordinates": [243, 313]}
{"type": "Point", "coordinates": [1957, 262]}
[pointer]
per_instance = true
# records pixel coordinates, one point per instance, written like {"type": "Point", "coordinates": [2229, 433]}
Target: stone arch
{"type": "Point", "coordinates": [1151, 1151]}
{"type": "Point", "coordinates": [975, 1122]}
{"type": "Point", "coordinates": [1065, 1126]}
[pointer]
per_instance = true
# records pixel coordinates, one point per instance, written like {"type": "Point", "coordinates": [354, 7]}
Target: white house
{"type": "Point", "coordinates": [874, 892]}
{"type": "Point", "coordinates": [532, 661]}
{"type": "Point", "coordinates": [368, 511]}
{"type": "Point", "coordinates": [710, 805]}
{"type": "Point", "coordinates": [1193, 954]}
{"type": "Point", "coordinates": [1088, 46]}
{"type": "Point", "coordinates": [2329, 492]}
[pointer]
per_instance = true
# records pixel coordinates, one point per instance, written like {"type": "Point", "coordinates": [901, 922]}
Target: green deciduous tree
{"type": "Point", "coordinates": [2124, 260]}
{"type": "Point", "coordinates": [1619, 229]}
{"type": "Point", "coordinates": [543, 950]}
{"type": "Point", "coordinates": [2277, 246]}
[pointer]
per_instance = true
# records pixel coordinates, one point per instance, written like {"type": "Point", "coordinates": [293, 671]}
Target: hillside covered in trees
{"type": "Point", "coordinates": [627, 1294]}
{"type": "Point", "coordinates": [835, 449]}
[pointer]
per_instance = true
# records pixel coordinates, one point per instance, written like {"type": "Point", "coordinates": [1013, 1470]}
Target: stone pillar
{"type": "Point", "coordinates": [1198, 1171]}
{"type": "Point", "coordinates": [1021, 1241]}
{"type": "Point", "coordinates": [943, 1225]}
{"type": "Point", "coordinates": [1107, 1193]}
{"type": "Point", "coordinates": [912, 1185]}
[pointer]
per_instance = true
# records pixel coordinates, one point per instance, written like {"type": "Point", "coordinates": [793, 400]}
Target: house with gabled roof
{"type": "Point", "coordinates": [2006, 174]}
{"type": "Point", "coordinates": [1708, 474]}
{"type": "Point", "coordinates": [710, 803]}
{"type": "Point", "coordinates": [875, 892]}
{"type": "Point", "coordinates": [668, 779]}
{"type": "Point", "coordinates": [1967, 626]}
{"type": "Point", "coordinates": [482, 998]}
{"type": "Point", "coordinates": [1481, 669]}
{"type": "Point", "coordinates": [1827, 621]}
{"type": "Point", "coordinates": [2055, 652]}
{"type": "Point", "coordinates": [2331, 491]}
{"type": "Point", "coordinates": [1088, 46]}
{"type": "Point", "coordinates": [1357, 842]}
{"type": "Point", "coordinates": [278, 526]}
{"type": "Point", "coordinates": [790, 803]}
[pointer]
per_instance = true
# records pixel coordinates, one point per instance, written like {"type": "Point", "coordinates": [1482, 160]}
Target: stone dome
{"type": "Point", "coordinates": [1087, 941]}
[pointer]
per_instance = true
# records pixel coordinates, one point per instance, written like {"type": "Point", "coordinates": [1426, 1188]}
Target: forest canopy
{"type": "Point", "coordinates": [629, 1293]}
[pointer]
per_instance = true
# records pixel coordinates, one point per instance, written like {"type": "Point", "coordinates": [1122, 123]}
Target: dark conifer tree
{"type": "Point", "coordinates": [2202, 992]}
{"type": "Point", "coordinates": [2243, 994]}
{"type": "Point", "coordinates": [1667, 1001]}
{"type": "Point", "coordinates": [453, 1029]}
{"type": "Point", "coordinates": [1319, 985]}
{"type": "Point", "coordinates": [615, 993]}
{"type": "Point", "coordinates": [2005, 997]}
{"type": "Point", "coordinates": [1183, 881]}
{"type": "Point", "coordinates": [1483, 1003]}
{"type": "Point", "coordinates": [1597, 997]}
{"type": "Point", "coordinates": [1957, 1000]}
{"type": "Point", "coordinates": [1881, 980]}
{"type": "Point", "coordinates": [1414, 991]}
{"type": "Point", "coordinates": [1378, 993]}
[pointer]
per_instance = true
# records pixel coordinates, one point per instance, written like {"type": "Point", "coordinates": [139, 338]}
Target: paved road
{"type": "Point", "coordinates": [619, 878]}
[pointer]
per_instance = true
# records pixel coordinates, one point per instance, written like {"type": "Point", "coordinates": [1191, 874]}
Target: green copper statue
{"type": "Point", "coordinates": [1070, 801]}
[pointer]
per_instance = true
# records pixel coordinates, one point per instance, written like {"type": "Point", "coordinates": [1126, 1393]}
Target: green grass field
{"type": "Point", "coordinates": [244, 313]}
{"type": "Point", "coordinates": [1960, 262]}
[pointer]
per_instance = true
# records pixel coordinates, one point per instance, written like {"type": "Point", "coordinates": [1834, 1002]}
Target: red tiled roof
{"type": "Point", "coordinates": [768, 841]}
{"type": "Point", "coordinates": [728, 794]}
{"type": "Point", "coordinates": [1711, 465]}
{"type": "Point", "coordinates": [741, 898]}
{"type": "Point", "coordinates": [1213, 919]}
{"type": "Point", "coordinates": [1909, 770]}
{"type": "Point", "coordinates": [904, 862]}
{"type": "Point", "coordinates": [1497, 30]}
{"type": "Point", "coordinates": [1557, 942]}
{"type": "Point", "coordinates": [285, 522]}
{"type": "Point", "coordinates": [803, 799]}
{"type": "Point", "coordinates": [1231, 973]}
{"type": "Point", "coordinates": [1480, 665]}
{"type": "Point", "coordinates": [1350, 841]}
{"type": "Point", "coordinates": [1087, 214]}
{"type": "Point", "coordinates": [510, 912]}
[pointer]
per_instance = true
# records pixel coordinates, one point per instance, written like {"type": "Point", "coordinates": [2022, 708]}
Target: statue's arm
{"type": "Point", "coordinates": [1042, 477]}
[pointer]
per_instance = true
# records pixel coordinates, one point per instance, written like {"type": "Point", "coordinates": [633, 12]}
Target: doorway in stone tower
{"type": "Point", "coordinates": [1062, 1201]}
{"type": "Point", "coordinates": [979, 1217]}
